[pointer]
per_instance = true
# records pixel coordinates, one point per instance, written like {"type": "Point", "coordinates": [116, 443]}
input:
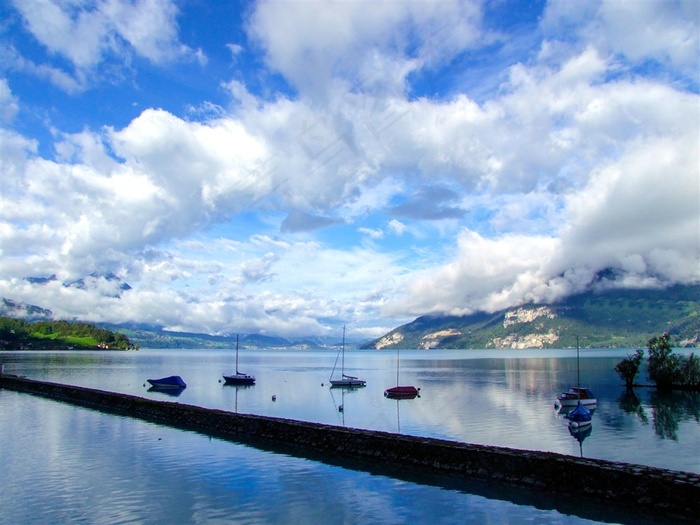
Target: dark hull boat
{"type": "Point", "coordinates": [239, 378]}
{"type": "Point", "coordinates": [402, 392]}
{"type": "Point", "coordinates": [173, 382]}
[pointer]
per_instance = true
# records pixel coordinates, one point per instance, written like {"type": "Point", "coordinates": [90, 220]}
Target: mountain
{"type": "Point", "coordinates": [614, 318]}
{"type": "Point", "coordinates": [41, 280]}
{"type": "Point", "coordinates": [151, 336]}
{"type": "Point", "coordinates": [20, 310]}
{"type": "Point", "coordinates": [108, 284]}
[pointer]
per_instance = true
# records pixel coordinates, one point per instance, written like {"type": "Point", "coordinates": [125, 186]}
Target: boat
{"type": "Point", "coordinates": [344, 380]}
{"type": "Point", "coordinates": [579, 417]}
{"type": "Point", "coordinates": [576, 394]}
{"type": "Point", "coordinates": [174, 382]}
{"type": "Point", "coordinates": [571, 397]}
{"type": "Point", "coordinates": [401, 392]}
{"type": "Point", "coordinates": [239, 378]}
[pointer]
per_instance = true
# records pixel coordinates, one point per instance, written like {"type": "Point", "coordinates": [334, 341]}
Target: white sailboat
{"type": "Point", "coordinates": [577, 394]}
{"type": "Point", "coordinates": [344, 380]}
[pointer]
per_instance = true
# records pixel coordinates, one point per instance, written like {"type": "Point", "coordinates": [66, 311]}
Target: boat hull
{"type": "Point", "coordinates": [167, 382]}
{"type": "Point", "coordinates": [239, 379]}
{"type": "Point", "coordinates": [402, 392]}
{"type": "Point", "coordinates": [572, 397]}
{"type": "Point", "coordinates": [348, 382]}
{"type": "Point", "coordinates": [574, 402]}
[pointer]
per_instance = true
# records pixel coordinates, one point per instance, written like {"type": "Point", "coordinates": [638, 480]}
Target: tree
{"type": "Point", "coordinates": [627, 368]}
{"type": "Point", "coordinates": [663, 366]}
{"type": "Point", "coordinates": [690, 371]}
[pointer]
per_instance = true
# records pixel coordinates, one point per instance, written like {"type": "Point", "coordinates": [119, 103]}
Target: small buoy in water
{"type": "Point", "coordinates": [274, 398]}
{"type": "Point", "coordinates": [321, 384]}
{"type": "Point", "coordinates": [219, 380]}
{"type": "Point", "coordinates": [144, 384]}
{"type": "Point", "coordinates": [341, 408]}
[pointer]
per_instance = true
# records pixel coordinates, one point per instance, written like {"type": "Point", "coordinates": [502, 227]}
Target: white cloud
{"type": "Point", "coordinates": [87, 34]}
{"type": "Point", "coordinates": [665, 31]}
{"type": "Point", "coordinates": [9, 104]}
{"type": "Point", "coordinates": [579, 162]}
{"type": "Point", "coordinates": [314, 44]}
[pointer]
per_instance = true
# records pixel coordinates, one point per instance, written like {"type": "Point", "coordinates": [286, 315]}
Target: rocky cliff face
{"type": "Point", "coordinates": [391, 339]}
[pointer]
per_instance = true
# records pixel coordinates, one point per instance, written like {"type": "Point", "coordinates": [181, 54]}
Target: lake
{"type": "Point", "coordinates": [89, 467]}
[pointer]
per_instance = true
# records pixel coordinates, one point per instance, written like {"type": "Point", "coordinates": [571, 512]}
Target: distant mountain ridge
{"type": "Point", "coordinates": [613, 318]}
{"type": "Point", "coordinates": [149, 336]}
{"type": "Point", "coordinates": [27, 312]}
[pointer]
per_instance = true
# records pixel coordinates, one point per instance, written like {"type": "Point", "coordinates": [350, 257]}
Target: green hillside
{"type": "Point", "coordinates": [616, 318]}
{"type": "Point", "coordinates": [16, 334]}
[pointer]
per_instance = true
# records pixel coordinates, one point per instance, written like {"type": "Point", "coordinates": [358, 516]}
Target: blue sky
{"type": "Point", "coordinates": [290, 167]}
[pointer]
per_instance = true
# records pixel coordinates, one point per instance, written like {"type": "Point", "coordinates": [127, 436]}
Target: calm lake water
{"type": "Point", "coordinates": [88, 467]}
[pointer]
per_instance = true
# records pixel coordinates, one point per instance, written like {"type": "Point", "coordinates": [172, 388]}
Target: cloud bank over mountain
{"type": "Point", "coordinates": [291, 167]}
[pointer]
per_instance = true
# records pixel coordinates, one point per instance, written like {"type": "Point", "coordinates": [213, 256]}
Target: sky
{"type": "Point", "coordinates": [287, 168]}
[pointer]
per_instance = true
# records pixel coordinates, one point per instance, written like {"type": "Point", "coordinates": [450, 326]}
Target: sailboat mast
{"type": "Point", "coordinates": [578, 372]}
{"type": "Point", "coordinates": [342, 361]}
{"type": "Point", "coordinates": [236, 353]}
{"type": "Point", "coordinates": [398, 357]}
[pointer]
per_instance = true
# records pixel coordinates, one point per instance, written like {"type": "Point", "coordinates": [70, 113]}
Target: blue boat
{"type": "Point", "coordinates": [579, 416]}
{"type": "Point", "coordinates": [168, 382]}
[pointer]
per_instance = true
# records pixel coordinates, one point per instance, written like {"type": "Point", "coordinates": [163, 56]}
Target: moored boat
{"type": "Point", "coordinates": [344, 380]}
{"type": "Point", "coordinates": [571, 397]}
{"type": "Point", "coordinates": [167, 382]}
{"type": "Point", "coordinates": [579, 417]}
{"type": "Point", "coordinates": [402, 392]}
{"type": "Point", "coordinates": [239, 378]}
{"type": "Point", "coordinates": [577, 393]}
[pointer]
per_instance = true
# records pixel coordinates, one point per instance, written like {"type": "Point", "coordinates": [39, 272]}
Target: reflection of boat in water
{"type": "Point", "coordinates": [579, 434]}
{"type": "Point", "coordinates": [344, 380]}
{"type": "Point", "coordinates": [576, 394]}
{"type": "Point", "coordinates": [341, 407]}
{"type": "Point", "coordinates": [401, 392]}
{"type": "Point", "coordinates": [165, 383]}
{"type": "Point", "coordinates": [237, 388]}
{"type": "Point", "coordinates": [169, 391]}
{"type": "Point", "coordinates": [239, 378]}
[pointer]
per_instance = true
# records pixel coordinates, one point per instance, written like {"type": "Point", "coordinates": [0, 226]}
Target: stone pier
{"type": "Point", "coordinates": [666, 493]}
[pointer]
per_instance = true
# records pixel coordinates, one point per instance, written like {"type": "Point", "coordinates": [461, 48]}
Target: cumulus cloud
{"type": "Point", "coordinates": [86, 34]}
{"type": "Point", "coordinates": [317, 45]}
{"type": "Point", "coordinates": [349, 198]}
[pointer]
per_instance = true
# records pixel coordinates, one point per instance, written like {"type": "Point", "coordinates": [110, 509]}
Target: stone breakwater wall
{"type": "Point", "coordinates": [671, 493]}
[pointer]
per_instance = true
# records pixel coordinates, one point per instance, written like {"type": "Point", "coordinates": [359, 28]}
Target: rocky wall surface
{"type": "Point", "coordinates": [663, 492]}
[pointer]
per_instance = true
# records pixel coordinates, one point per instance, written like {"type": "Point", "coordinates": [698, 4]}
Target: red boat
{"type": "Point", "coordinates": [402, 392]}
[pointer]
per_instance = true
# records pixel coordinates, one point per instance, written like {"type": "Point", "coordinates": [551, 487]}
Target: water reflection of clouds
{"type": "Point", "coordinates": [491, 400]}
